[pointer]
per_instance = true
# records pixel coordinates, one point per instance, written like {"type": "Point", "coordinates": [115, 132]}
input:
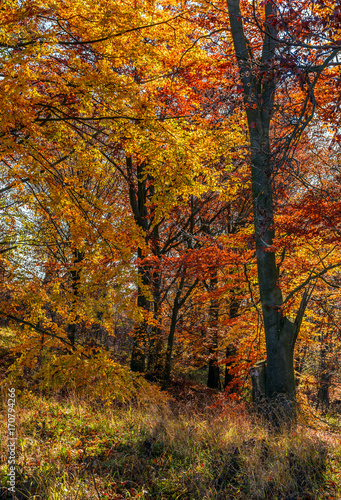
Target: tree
{"type": "Point", "coordinates": [280, 36]}
{"type": "Point", "coordinates": [106, 83]}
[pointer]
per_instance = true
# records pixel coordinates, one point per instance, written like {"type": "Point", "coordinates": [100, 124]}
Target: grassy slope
{"type": "Point", "coordinates": [71, 448]}
{"type": "Point", "coordinates": [158, 448]}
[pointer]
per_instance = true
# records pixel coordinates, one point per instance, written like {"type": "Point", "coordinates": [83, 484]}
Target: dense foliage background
{"type": "Point", "coordinates": [170, 207]}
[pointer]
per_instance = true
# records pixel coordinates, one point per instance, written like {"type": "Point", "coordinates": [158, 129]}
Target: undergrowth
{"type": "Point", "coordinates": [71, 447]}
{"type": "Point", "coordinates": [94, 430]}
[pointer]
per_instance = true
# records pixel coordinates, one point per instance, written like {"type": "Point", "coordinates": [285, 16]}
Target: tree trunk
{"type": "Point", "coordinates": [75, 281]}
{"type": "Point", "coordinates": [170, 341]}
{"type": "Point", "coordinates": [138, 356]}
{"type": "Point", "coordinates": [178, 304]}
{"type": "Point", "coordinates": [213, 377]}
{"type": "Point", "coordinates": [138, 202]}
{"type": "Point", "coordinates": [280, 387]}
{"type": "Point", "coordinates": [324, 376]}
{"type": "Point", "coordinates": [280, 332]}
{"type": "Point", "coordinates": [230, 349]}
{"type": "Point", "coordinates": [147, 342]}
{"type": "Point", "coordinates": [258, 377]}
{"type": "Point", "coordinates": [259, 86]}
{"type": "Point", "coordinates": [155, 348]}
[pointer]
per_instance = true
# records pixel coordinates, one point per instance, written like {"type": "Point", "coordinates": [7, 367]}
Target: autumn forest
{"type": "Point", "coordinates": [170, 251]}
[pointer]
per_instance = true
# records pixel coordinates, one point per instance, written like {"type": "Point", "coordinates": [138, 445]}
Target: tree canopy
{"type": "Point", "coordinates": [170, 189]}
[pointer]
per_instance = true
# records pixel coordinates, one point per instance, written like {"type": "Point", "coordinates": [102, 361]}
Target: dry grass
{"type": "Point", "coordinates": [71, 448]}
{"type": "Point", "coordinates": [74, 444]}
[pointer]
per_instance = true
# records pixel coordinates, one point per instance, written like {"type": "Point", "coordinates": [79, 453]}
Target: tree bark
{"type": "Point", "coordinates": [324, 376]}
{"type": "Point", "coordinates": [138, 202]}
{"type": "Point", "coordinates": [213, 376]}
{"type": "Point", "coordinates": [155, 348]}
{"type": "Point", "coordinates": [280, 333]}
{"type": "Point", "coordinates": [138, 356]}
{"type": "Point", "coordinates": [258, 377]}
{"type": "Point", "coordinates": [75, 281]}
{"type": "Point", "coordinates": [170, 341]}
{"type": "Point", "coordinates": [177, 305]}
{"type": "Point", "coordinates": [230, 349]}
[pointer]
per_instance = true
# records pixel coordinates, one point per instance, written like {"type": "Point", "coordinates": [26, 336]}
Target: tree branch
{"type": "Point", "coordinates": [309, 279]}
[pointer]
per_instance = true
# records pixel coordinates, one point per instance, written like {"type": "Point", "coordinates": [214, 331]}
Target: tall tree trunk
{"type": "Point", "coordinates": [170, 341]}
{"type": "Point", "coordinates": [280, 333]}
{"type": "Point", "coordinates": [177, 305]}
{"type": "Point", "coordinates": [138, 202]}
{"type": "Point", "coordinates": [324, 376]}
{"type": "Point", "coordinates": [213, 377]}
{"type": "Point", "coordinates": [75, 281]}
{"type": "Point", "coordinates": [230, 349]}
{"type": "Point", "coordinates": [155, 348]}
{"type": "Point", "coordinates": [138, 355]}
{"type": "Point", "coordinates": [147, 341]}
{"type": "Point", "coordinates": [259, 86]}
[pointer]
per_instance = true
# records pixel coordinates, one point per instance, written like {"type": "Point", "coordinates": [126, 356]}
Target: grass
{"type": "Point", "coordinates": [142, 444]}
{"type": "Point", "coordinates": [72, 448]}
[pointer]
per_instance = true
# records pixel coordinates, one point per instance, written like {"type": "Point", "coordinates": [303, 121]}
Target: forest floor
{"type": "Point", "coordinates": [187, 445]}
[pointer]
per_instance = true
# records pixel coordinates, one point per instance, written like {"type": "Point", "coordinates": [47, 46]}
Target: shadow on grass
{"type": "Point", "coordinates": [153, 466]}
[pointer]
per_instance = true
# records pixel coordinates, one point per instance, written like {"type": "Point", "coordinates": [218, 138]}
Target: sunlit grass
{"type": "Point", "coordinates": [71, 448]}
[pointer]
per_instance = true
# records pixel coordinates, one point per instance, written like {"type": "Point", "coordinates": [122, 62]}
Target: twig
{"type": "Point", "coordinates": [93, 477]}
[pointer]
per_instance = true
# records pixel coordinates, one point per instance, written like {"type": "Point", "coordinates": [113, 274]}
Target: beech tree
{"type": "Point", "coordinates": [265, 48]}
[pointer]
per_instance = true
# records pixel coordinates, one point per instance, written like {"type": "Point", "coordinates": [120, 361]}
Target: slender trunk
{"type": "Point", "coordinates": [324, 376]}
{"type": "Point", "coordinates": [138, 356]}
{"type": "Point", "coordinates": [155, 354]}
{"type": "Point", "coordinates": [170, 342]}
{"type": "Point", "coordinates": [178, 304]}
{"type": "Point", "coordinates": [75, 281]}
{"type": "Point", "coordinates": [138, 202]}
{"type": "Point", "coordinates": [230, 349]}
{"type": "Point", "coordinates": [155, 351]}
{"type": "Point", "coordinates": [299, 363]}
{"type": "Point", "coordinates": [213, 377]}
